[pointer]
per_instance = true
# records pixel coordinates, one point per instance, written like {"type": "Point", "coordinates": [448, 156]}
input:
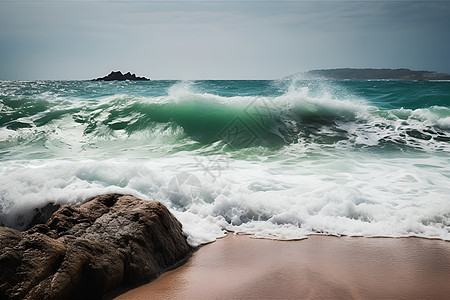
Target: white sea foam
{"type": "Point", "coordinates": [361, 195]}
{"type": "Point", "coordinates": [336, 175]}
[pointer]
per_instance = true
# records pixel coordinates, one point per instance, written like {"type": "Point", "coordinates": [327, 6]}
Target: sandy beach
{"type": "Point", "coordinates": [320, 267]}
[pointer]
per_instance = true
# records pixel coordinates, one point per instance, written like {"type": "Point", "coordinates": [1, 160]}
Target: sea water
{"type": "Point", "coordinates": [278, 159]}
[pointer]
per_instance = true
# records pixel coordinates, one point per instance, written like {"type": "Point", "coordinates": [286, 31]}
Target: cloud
{"type": "Point", "coordinates": [190, 39]}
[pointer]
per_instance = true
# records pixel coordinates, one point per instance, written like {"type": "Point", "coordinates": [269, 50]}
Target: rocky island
{"type": "Point", "coordinates": [121, 77]}
{"type": "Point", "coordinates": [374, 74]}
{"type": "Point", "coordinates": [86, 251]}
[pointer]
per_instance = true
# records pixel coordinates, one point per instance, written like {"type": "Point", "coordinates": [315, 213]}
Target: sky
{"type": "Point", "coordinates": [218, 39]}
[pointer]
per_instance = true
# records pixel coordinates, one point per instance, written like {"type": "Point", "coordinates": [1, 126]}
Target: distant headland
{"type": "Point", "coordinates": [367, 74]}
{"type": "Point", "coordinates": [121, 77]}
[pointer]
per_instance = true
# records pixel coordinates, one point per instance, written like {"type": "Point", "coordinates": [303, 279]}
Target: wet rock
{"type": "Point", "coordinates": [41, 215]}
{"type": "Point", "coordinates": [83, 252]}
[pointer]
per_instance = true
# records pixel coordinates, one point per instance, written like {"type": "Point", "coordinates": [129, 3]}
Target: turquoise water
{"type": "Point", "coordinates": [274, 158]}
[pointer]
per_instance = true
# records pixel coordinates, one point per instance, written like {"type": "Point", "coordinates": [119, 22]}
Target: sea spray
{"type": "Point", "coordinates": [277, 159]}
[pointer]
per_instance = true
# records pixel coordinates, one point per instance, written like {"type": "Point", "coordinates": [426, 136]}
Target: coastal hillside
{"type": "Point", "coordinates": [365, 74]}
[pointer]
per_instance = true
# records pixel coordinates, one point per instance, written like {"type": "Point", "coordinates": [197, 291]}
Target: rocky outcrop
{"type": "Point", "coordinates": [83, 252]}
{"type": "Point", "coordinates": [121, 77]}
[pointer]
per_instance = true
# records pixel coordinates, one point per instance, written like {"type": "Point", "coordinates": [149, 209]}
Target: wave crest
{"type": "Point", "coordinates": [186, 114]}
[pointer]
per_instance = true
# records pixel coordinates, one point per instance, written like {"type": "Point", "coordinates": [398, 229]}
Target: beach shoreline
{"type": "Point", "coordinates": [241, 267]}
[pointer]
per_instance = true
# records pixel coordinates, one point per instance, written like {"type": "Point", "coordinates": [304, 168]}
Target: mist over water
{"type": "Point", "coordinates": [277, 159]}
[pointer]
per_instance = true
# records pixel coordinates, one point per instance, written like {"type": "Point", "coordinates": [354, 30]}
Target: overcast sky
{"type": "Point", "coordinates": [218, 39]}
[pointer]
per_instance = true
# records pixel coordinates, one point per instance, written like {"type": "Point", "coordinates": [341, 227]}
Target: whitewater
{"type": "Point", "coordinates": [279, 159]}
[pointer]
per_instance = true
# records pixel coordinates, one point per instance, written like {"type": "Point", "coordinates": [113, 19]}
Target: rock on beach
{"type": "Point", "coordinates": [89, 250]}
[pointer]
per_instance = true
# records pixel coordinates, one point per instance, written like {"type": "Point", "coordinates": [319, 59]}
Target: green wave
{"type": "Point", "coordinates": [300, 115]}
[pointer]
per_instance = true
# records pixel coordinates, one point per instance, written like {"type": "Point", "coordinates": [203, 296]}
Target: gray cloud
{"type": "Point", "coordinates": [193, 40]}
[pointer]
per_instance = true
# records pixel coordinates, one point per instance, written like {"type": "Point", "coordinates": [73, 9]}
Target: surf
{"type": "Point", "coordinates": [301, 113]}
{"type": "Point", "coordinates": [276, 159]}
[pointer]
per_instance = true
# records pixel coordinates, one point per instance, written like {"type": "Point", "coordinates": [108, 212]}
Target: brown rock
{"type": "Point", "coordinates": [88, 250]}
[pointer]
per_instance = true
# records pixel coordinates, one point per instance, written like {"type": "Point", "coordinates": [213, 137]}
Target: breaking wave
{"type": "Point", "coordinates": [275, 159]}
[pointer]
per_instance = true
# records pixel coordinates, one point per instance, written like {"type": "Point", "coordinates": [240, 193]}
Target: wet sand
{"type": "Point", "coordinates": [320, 267]}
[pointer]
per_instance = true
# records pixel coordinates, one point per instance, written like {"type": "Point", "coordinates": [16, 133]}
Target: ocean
{"type": "Point", "coordinates": [279, 159]}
